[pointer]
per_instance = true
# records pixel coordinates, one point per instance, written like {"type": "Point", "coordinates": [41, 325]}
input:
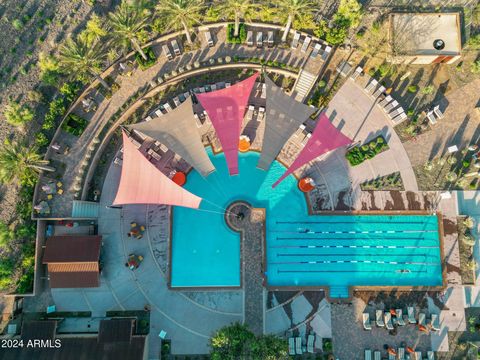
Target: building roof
{"type": "Point", "coordinates": [116, 330]}
{"type": "Point", "coordinates": [42, 330]}
{"type": "Point", "coordinates": [142, 183]}
{"type": "Point", "coordinates": [74, 276]}
{"type": "Point", "coordinates": [72, 248]}
{"type": "Point", "coordinates": [415, 33]}
{"type": "Point", "coordinates": [177, 130]}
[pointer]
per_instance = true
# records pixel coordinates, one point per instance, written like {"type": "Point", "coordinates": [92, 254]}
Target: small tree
{"type": "Point", "coordinates": [237, 9]}
{"type": "Point", "coordinates": [17, 114]}
{"type": "Point", "coordinates": [468, 222]}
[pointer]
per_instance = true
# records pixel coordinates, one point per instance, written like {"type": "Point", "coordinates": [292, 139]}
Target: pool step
{"type": "Point", "coordinates": [339, 292]}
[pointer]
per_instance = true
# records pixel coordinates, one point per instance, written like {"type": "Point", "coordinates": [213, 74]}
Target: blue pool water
{"type": "Point", "coordinates": [302, 250]}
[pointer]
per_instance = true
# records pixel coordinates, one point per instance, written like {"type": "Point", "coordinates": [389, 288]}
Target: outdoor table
{"type": "Point", "coordinates": [136, 230]}
{"type": "Point", "coordinates": [134, 261]}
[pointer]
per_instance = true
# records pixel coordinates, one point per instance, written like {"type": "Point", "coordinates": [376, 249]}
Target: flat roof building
{"type": "Point", "coordinates": [424, 38]}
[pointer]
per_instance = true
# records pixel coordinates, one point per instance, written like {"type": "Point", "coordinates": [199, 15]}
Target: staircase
{"type": "Point", "coordinates": [339, 292]}
{"type": "Point", "coordinates": [303, 85]}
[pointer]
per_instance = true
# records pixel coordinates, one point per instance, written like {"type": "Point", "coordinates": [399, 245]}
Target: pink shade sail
{"type": "Point", "coordinates": [325, 138]}
{"type": "Point", "coordinates": [226, 108]}
{"type": "Point", "coordinates": [142, 183]}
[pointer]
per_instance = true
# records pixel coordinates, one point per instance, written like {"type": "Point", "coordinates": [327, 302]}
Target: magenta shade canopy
{"type": "Point", "coordinates": [142, 183]}
{"type": "Point", "coordinates": [325, 138]}
{"type": "Point", "coordinates": [226, 108]}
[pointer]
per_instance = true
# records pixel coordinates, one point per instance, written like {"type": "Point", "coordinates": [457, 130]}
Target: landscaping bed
{"type": "Point", "coordinates": [74, 125]}
{"type": "Point", "coordinates": [151, 58]}
{"type": "Point", "coordinates": [391, 181]}
{"type": "Point", "coordinates": [359, 154]}
{"type": "Point", "coordinates": [242, 34]}
{"type": "Point", "coordinates": [466, 253]}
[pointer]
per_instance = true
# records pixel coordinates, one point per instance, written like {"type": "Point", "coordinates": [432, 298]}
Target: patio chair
{"type": "Point", "coordinates": [296, 38]}
{"type": "Point", "coordinates": [431, 117]}
{"type": "Point", "coordinates": [366, 321]}
{"type": "Point", "coordinates": [438, 112]}
{"type": "Point", "coordinates": [368, 354]}
{"type": "Point", "coordinates": [306, 44]}
{"type": "Point", "coordinates": [379, 91]}
{"type": "Point", "coordinates": [385, 101]}
{"type": "Point", "coordinates": [388, 320]}
{"type": "Point", "coordinates": [356, 73]}
{"type": "Point", "coordinates": [261, 114]}
{"type": "Point", "coordinates": [435, 322]}
{"type": "Point", "coordinates": [395, 112]}
{"type": "Point", "coordinates": [298, 345]}
{"type": "Point", "coordinates": [371, 85]}
{"type": "Point", "coordinates": [259, 39]}
{"type": "Point", "coordinates": [326, 52]}
{"type": "Point", "coordinates": [208, 38]}
{"type": "Point", "coordinates": [401, 353]}
{"type": "Point", "coordinates": [291, 346]}
{"type": "Point", "coordinates": [379, 318]}
{"type": "Point", "coordinates": [421, 319]}
{"type": "Point", "coordinates": [399, 118]}
{"type": "Point", "coordinates": [430, 355]}
{"type": "Point", "coordinates": [249, 38]}
{"type": "Point", "coordinates": [167, 52]}
{"type": "Point", "coordinates": [418, 355]}
{"type": "Point", "coordinates": [399, 315]}
{"type": "Point", "coordinates": [377, 355]}
{"type": "Point", "coordinates": [175, 47]}
{"type": "Point", "coordinates": [270, 40]}
{"type": "Point", "coordinates": [316, 50]}
{"type": "Point", "coordinates": [310, 343]}
{"type": "Point", "coordinates": [391, 106]}
{"type": "Point", "coordinates": [411, 315]}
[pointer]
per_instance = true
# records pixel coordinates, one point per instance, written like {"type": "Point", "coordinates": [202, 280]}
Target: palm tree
{"type": "Point", "coordinates": [237, 9]}
{"type": "Point", "coordinates": [20, 162]}
{"type": "Point", "coordinates": [82, 59]}
{"type": "Point", "coordinates": [294, 10]}
{"type": "Point", "coordinates": [128, 25]}
{"type": "Point", "coordinates": [95, 29]}
{"type": "Point", "coordinates": [181, 13]}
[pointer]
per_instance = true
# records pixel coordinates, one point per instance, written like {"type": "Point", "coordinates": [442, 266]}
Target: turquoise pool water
{"type": "Point", "coordinates": [302, 250]}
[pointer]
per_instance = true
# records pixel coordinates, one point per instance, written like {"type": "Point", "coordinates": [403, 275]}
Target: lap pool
{"type": "Point", "coordinates": [337, 251]}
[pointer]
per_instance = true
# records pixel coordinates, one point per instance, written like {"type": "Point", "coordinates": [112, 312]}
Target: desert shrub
{"type": "Point", "coordinates": [17, 114]}
{"type": "Point", "coordinates": [412, 89]}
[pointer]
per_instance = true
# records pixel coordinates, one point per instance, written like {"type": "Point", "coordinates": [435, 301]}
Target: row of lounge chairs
{"type": "Point", "coordinates": [175, 47]}
{"type": "Point", "coordinates": [259, 39]}
{"type": "Point", "coordinates": [317, 48]}
{"type": "Point", "coordinates": [400, 355]}
{"type": "Point", "coordinates": [384, 319]}
{"type": "Point", "coordinates": [295, 345]}
{"type": "Point", "coordinates": [434, 115]}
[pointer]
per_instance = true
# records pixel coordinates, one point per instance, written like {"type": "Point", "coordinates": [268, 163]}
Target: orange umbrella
{"type": "Point", "coordinates": [410, 350]}
{"type": "Point", "coordinates": [244, 144]}
{"type": "Point", "coordinates": [392, 351]}
{"type": "Point", "coordinates": [306, 184]}
{"type": "Point", "coordinates": [393, 312]}
{"type": "Point", "coordinates": [422, 328]}
{"type": "Point", "coordinates": [179, 178]}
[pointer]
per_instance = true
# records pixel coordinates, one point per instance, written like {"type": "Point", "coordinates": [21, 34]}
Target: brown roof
{"type": "Point", "coordinates": [116, 330]}
{"type": "Point", "coordinates": [65, 249]}
{"type": "Point", "coordinates": [42, 330]}
{"type": "Point", "coordinates": [74, 279]}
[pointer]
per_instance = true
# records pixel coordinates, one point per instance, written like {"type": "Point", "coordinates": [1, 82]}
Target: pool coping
{"type": "Point", "coordinates": [376, 288]}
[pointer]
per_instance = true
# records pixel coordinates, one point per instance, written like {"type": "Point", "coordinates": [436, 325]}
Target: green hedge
{"type": "Point", "coordinates": [242, 34]}
{"type": "Point", "coordinates": [145, 64]}
{"type": "Point", "coordinates": [359, 154]}
{"type": "Point", "coordinates": [74, 125]}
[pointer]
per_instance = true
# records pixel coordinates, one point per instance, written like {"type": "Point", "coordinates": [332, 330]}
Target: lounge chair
{"type": "Point", "coordinates": [388, 321]}
{"type": "Point", "coordinates": [208, 38]}
{"type": "Point", "coordinates": [175, 47]}
{"type": "Point", "coordinates": [421, 319]}
{"type": "Point", "coordinates": [379, 318]}
{"type": "Point", "coordinates": [368, 354]}
{"type": "Point", "coordinates": [399, 315]}
{"type": "Point", "coordinates": [391, 106]}
{"type": "Point", "coordinates": [305, 140]}
{"type": "Point", "coordinates": [201, 89]}
{"type": "Point", "coordinates": [167, 107]}
{"type": "Point", "coordinates": [430, 355]}
{"type": "Point", "coordinates": [366, 321]}
{"type": "Point", "coordinates": [158, 113]}
{"type": "Point", "coordinates": [270, 40]}
{"type": "Point", "coordinates": [395, 112]}
{"type": "Point", "coordinates": [148, 118]}
{"type": "Point", "coordinates": [379, 91]}
{"type": "Point", "coordinates": [176, 101]}
{"type": "Point", "coordinates": [306, 43]}
{"type": "Point", "coordinates": [310, 343]}
{"type": "Point", "coordinates": [118, 161]}
{"type": "Point", "coordinates": [326, 52]}
{"type": "Point", "coordinates": [300, 131]}
{"type": "Point", "coordinates": [249, 114]}
{"type": "Point", "coordinates": [291, 346]}
{"type": "Point", "coordinates": [401, 353]}
{"type": "Point", "coordinates": [377, 355]}
{"type": "Point", "coordinates": [213, 87]}
{"type": "Point", "coordinates": [438, 112]}
{"type": "Point", "coordinates": [263, 95]}
{"type": "Point", "coordinates": [197, 120]}
{"type": "Point", "coordinates": [435, 322]}
{"type": "Point", "coordinates": [298, 345]}
{"type": "Point", "coordinates": [399, 118]}
{"type": "Point", "coordinates": [167, 52]}
{"type": "Point", "coordinates": [418, 355]}
{"type": "Point", "coordinates": [296, 38]}
{"type": "Point", "coordinates": [249, 38]}
{"type": "Point", "coordinates": [411, 315]}
{"type": "Point", "coordinates": [391, 357]}
{"type": "Point", "coordinates": [385, 101]}
{"type": "Point", "coordinates": [316, 50]}
{"type": "Point", "coordinates": [186, 95]}
{"type": "Point", "coordinates": [261, 114]}
{"type": "Point", "coordinates": [371, 85]}
{"type": "Point", "coordinates": [356, 73]}
{"type": "Point", "coordinates": [227, 85]}
{"type": "Point", "coordinates": [431, 117]}
{"type": "Point", "coordinates": [259, 39]}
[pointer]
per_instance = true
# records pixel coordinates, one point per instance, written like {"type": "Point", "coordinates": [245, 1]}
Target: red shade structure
{"type": "Point", "coordinates": [226, 108]}
{"type": "Point", "coordinates": [142, 183]}
{"type": "Point", "coordinates": [325, 138]}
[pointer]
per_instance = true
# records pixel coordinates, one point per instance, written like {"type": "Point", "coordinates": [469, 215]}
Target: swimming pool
{"type": "Point", "coordinates": [337, 251]}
